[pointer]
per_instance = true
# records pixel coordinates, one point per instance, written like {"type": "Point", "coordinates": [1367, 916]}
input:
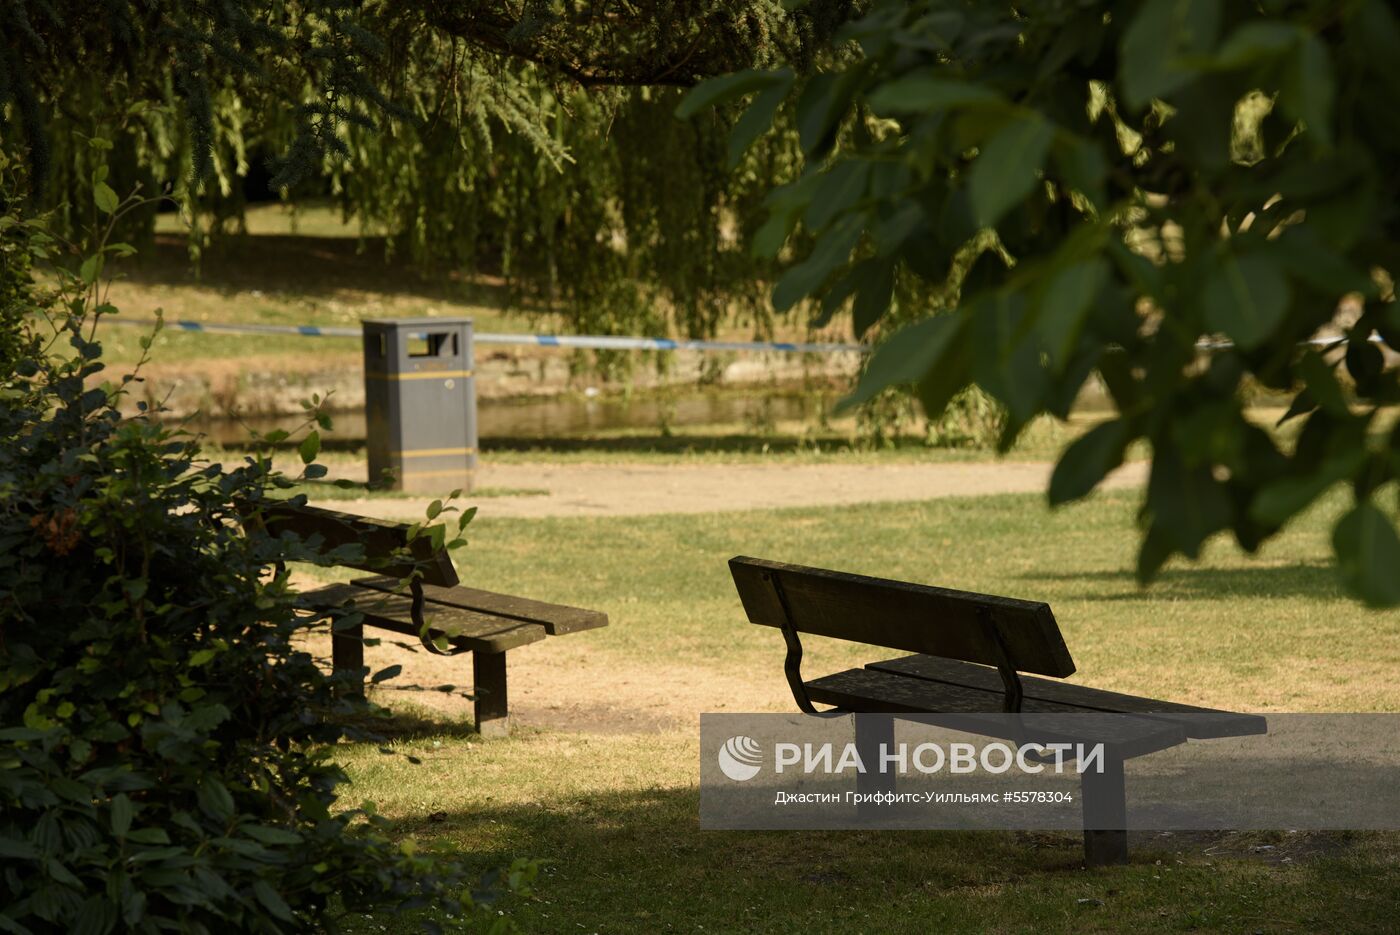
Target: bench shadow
{"type": "Point", "coordinates": [1304, 580]}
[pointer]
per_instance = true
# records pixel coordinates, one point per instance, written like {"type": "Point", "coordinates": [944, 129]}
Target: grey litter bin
{"type": "Point", "coordinates": [420, 403]}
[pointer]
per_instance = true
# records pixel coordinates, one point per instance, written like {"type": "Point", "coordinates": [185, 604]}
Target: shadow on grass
{"type": "Point", "coordinates": [738, 443]}
{"type": "Point", "coordinates": [1303, 580]}
{"type": "Point", "coordinates": [304, 266]}
{"type": "Point", "coordinates": [638, 862]}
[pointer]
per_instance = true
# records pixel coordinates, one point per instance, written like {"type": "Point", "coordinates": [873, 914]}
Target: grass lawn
{"type": "Point", "coordinates": [613, 813]}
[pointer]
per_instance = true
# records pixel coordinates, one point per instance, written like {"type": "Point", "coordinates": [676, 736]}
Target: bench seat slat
{"type": "Point", "coordinates": [467, 629]}
{"type": "Point", "coordinates": [872, 691]}
{"type": "Point", "coordinates": [557, 619]}
{"type": "Point", "coordinates": [1200, 723]}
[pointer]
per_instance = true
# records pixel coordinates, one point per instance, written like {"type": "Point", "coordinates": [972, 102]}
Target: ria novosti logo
{"type": "Point", "coordinates": [740, 758]}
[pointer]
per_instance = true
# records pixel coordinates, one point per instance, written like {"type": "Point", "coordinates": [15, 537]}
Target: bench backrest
{"type": "Point", "coordinates": [380, 539]}
{"type": "Point", "coordinates": [897, 615]}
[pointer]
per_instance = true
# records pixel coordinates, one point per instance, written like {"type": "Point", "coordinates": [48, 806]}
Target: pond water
{"type": "Point", "coordinates": [570, 416]}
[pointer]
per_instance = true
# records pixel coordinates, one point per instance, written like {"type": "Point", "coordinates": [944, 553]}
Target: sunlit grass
{"type": "Point", "coordinates": [614, 816]}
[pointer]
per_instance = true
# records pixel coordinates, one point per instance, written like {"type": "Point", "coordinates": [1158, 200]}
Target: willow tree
{"type": "Point", "coordinates": [537, 136]}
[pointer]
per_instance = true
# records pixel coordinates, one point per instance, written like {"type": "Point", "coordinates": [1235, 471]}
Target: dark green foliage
{"type": "Point", "coordinates": [17, 290]}
{"type": "Point", "coordinates": [1100, 187]}
{"type": "Point", "coordinates": [166, 738]}
{"type": "Point", "coordinates": [305, 58]}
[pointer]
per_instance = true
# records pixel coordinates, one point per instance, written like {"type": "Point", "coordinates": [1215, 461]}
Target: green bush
{"type": "Point", "coordinates": [166, 738]}
{"type": "Point", "coordinates": [17, 297]}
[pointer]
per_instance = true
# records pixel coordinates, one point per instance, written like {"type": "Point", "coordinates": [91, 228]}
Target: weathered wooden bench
{"type": "Point", "coordinates": [970, 650]}
{"type": "Point", "coordinates": [446, 617]}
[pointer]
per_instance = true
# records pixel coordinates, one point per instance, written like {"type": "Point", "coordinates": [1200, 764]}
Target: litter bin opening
{"type": "Point", "coordinates": [431, 344]}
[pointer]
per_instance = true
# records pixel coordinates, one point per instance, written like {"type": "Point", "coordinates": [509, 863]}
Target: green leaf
{"type": "Point", "coordinates": [1004, 171]}
{"type": "Point", "coordinates": [148, 836]}
{"type": "Point", "coordinates": [832, 250]}
{"type": "Point", "coordinates": [1365, 363]}
{"type": "Point", "coordinates": [214, 799]}
{"type": "Point", "coordinates": [923, 93]}
{"type": "Point", "coordinates": [1246, 297]}
{"type": "Point", "coordinates": [905, 357]}
{"type": "Point", "coordinates": [757, 119]}
{"type": "Point", "coordinates": [1006, 360]}
{"type": "Point", "coordinates": [97, 916]}
{"type": "Point", "coordinates": [841, 188]}
{"type": "Point", "coordinates": [434, 509]}
{"type": "Point", "coordinates": [1162, 38]}
{"type": "Point", "coordinates": [386, 673]}
{"type": "Point", "coordinates": [876, 290]}
{"type": "Point", "coordinates": [121, 814]}
{"type": "Point", "coordinates": [715, 91]}
{"type": "Point", "coordinates": [1368, 555]}
{"type": "Point", "coordinates": [91, 268]}
{"type": "Point", "coordinates": [1280, 500]}
{"type": "Point", "coordinates": [1309, 259]}
{"type": "Point", "coordinates": [1321, 383]}
{"type": "Point", "coordinates": [944, 382]}
{"type": "Point", "coordinates": [18, 850]}
{"type": "Point", "coordinates": [272, 901]}
{"type": "Point", "coordinates": [1065, 304]}
{"type": "Point", "coordinates": [1088, 461]}
{"type": "Point", "coordinates": [1186, 504]}
{"type": "Point", "coordinates": [270, 835]}
{"type": "Point", "coordinates": [819, 109]}
{"type": "Point", "coordinates": [1309, 87]}
{"type": "Point", "coordinates": [1256, 42]}
{"type": "Point", "coordinates": [1082, 166]}
{"type": "Point", "coordinates": [310, 447]}
{"type": "Point", "coordinates": [784, 204]}
{"type": "Point", "coordinates": [202, 657]}
{"type": "Point", "coordinates": [840, 291]}
{"type": "Point", "coordinates": [106, 199]}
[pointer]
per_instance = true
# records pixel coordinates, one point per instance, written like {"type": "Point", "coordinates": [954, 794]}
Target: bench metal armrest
{"type": "Point", "coordinates": [792, 664]}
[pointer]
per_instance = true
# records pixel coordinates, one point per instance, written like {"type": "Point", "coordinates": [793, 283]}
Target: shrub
{"type": "Point", "coordinates": [166, 738]}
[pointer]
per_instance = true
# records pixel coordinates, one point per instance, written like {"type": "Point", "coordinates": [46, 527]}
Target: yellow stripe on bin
{"type": "Point", "coordinates": [418, 375]}
{"type": "Point", "coordinates": [431, 452]}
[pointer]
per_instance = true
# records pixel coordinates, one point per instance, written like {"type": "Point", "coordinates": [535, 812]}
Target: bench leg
{"type": "Point", "coordinates": [1103, 795]}
{"type": "Point", "coordinates": [872, 732]}
{"type": "Point", "coordinates": [348, 652]}
{"type": "Point", "coordinates": [489, 686]}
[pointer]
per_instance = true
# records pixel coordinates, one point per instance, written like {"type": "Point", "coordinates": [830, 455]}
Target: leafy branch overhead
{"type": "Point", "coordinates": [1169, 196]}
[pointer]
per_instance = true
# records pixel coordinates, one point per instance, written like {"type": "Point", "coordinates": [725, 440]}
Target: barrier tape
{"type": "Point", "coordinates": [598, 341]}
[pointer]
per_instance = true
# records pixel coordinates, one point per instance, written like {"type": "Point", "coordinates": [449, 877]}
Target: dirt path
{"type": "Point", "coordinates": [632, 490]}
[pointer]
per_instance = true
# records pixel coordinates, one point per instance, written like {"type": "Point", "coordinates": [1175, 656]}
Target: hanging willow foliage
{"type": "Point", "coordinates": [540, 143]}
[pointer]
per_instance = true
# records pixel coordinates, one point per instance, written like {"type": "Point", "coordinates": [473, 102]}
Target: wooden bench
{"type": "Point", "coordinates": [970, 650]}
{"type": "Point", "coordinates": [444, 616]}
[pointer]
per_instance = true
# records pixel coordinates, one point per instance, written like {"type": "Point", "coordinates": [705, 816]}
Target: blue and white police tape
{"type": "Point", "coordinates": [598, 341]}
